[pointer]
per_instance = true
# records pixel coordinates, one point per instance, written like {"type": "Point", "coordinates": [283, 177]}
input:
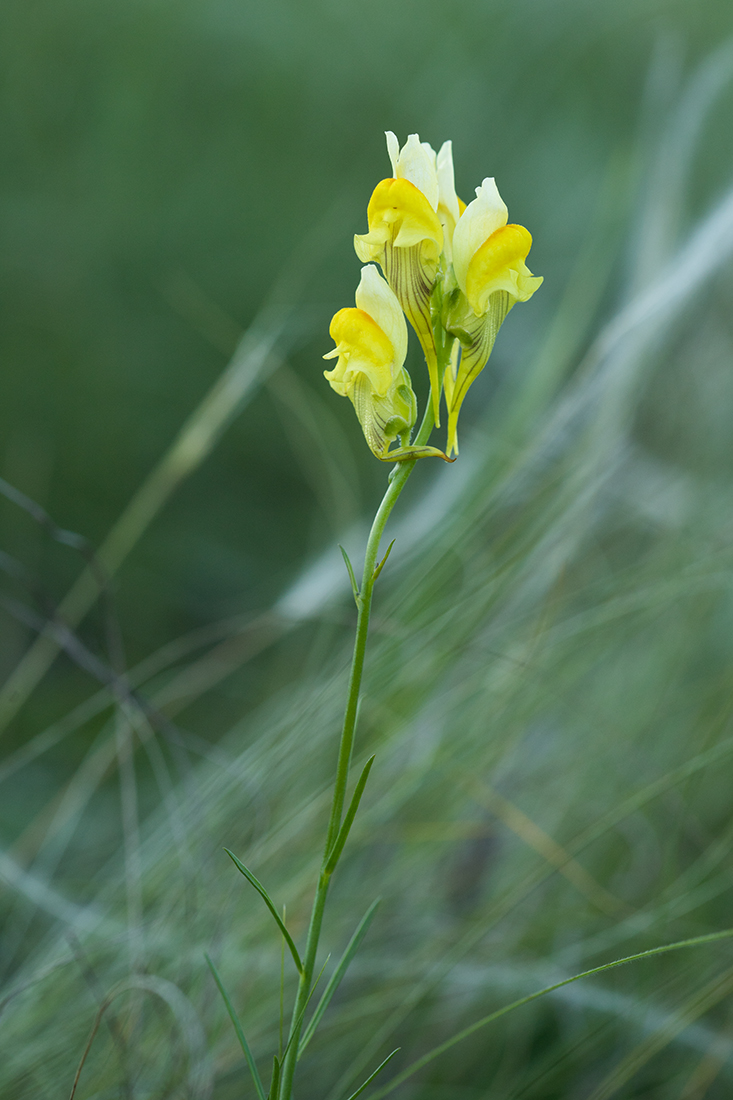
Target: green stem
{"type": "Point", "coordinates": [397, 481]}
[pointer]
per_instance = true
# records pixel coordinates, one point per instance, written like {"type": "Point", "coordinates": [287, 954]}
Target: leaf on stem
{"type": "Point", "coordinates": [238, 1029]}
{"type": "Point", "coordinates": [335, 980]}
{"type": "Point", "coordinates": [338, 845]}
{"type": "Point", "coordinates": [352, 578]}
{"type": "Point", "coordinates": [373, 1075]}
{"type": "Point", "coordinates": [275, 1082]}
{"type": "Point", "coordinates": [382, 563]}
{"type": "Point", "coordinates": [268, 902]}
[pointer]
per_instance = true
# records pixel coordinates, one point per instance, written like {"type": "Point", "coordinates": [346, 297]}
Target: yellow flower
{"type": "Point", "coordinates": [406, 238]}
{"type": "Point", "coordinates": [371, 345]}
{"type": "Point", "coordinates": [491, 275]}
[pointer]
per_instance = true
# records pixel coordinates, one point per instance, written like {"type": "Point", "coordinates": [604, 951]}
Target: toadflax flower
{"type": "Point", "coordinates": [371, 345]}
{"type": "Point", "coordinates": [406, 238]}
{"type": "Point", "coordinates": [491, 276]}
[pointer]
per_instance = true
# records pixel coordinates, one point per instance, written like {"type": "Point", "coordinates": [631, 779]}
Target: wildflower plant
{"type": "Point", "coordinates": [453, 271]}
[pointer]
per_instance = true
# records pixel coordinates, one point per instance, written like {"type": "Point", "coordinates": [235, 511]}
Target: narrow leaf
{"type": "Point", "coordinates": [268, 902]}
{"type": "Point", "coordinates": [373, 1075]}
{"type": "Point", "coordinates": [338, 844]}
{"type": "Point", "coordinates": [352, 578]}
{"type": "Point", "coordinates": [382, 563]}
{"type": "Point", "coordinates": [351, 948]}
{"type": "Point", "coordinates": [275, 1082]}
{"type": "Point", "coordinates": [238, 1028]}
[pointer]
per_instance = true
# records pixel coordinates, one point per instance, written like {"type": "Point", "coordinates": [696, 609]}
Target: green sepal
{"type": "Point", "coordinates": [402, 454]}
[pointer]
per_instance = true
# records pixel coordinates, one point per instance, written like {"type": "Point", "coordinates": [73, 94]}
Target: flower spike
{"type": "Point", "coordinates": [455, 270]}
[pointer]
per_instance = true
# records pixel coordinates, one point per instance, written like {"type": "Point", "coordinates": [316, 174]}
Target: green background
{"type": "Point", "coordinates": [167, 171]}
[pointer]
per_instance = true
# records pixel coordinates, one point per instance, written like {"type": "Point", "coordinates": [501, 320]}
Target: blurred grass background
{"type": "Point", "coordinates": [549, 688]}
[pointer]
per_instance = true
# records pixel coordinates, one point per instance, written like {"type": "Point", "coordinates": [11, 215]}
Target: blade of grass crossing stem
{"type": "Point", "coordinates": [338, 845]}
{"type": "Point", "coordinates": [371, 1077]}
{"type": "Point", "coordinates": [335, 981]}
{"type": "Point", "coordinates": [437, 1051]}
{"type": "Point", "coordinates": [268, 902]}
{"type": "Point", "coordinates": [238, 1028]}
{"type": "Point", "coordinates": [282, 992]}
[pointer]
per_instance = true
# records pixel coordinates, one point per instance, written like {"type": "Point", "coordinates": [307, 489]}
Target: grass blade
{"type": "Point", "coordinates": [431, 1055]}
{"type": "Point", "coordinates": [335, 980]}
{"type": "Point", "coordinates": [282, 993]}
{"type": "Point", "coordinates": [371, 1076]}
{"type": "Point", "coordinates": [268, 902]}
{"type": "Point", "coordinates": [238, 1028]}
{"type": "Point", "coordinates": [338, 845]}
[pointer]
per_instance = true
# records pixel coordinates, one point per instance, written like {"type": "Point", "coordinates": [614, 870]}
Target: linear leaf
{"type": "Point", "coordinates": [238, 1028]}
{"type": "Point", "coordinates": [338, 844]}
{"type": "Point", "coordinates": [334, 982]}
{"type": "Point", "coordinates": [268, 902]}
{"type": "Point", "coordinates": [352, 578]}
{"type": "Point", "coordinates": [275, 1082]}
{"type": "Point", "coordinates": [383, 562]}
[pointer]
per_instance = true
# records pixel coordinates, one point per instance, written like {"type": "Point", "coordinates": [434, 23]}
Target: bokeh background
{"type": "Point", "coordinates": [549, 689]}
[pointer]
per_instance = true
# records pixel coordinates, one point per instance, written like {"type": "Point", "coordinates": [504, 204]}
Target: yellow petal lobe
{"type": "Point", "coordinates": [398, 212]}
{"type": "Point", "coordinates": [362, 347]}
{"type": "Point", "coordinates": [499, 264]}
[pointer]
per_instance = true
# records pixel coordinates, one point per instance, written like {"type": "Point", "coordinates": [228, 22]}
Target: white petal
{"type": "Point", "coordinates": [447, 181]}
{"type": "Point", "coordinates": [416, 163]}
{"type": "Point", "coordinates": [393, 148]}
{"type": "Point", "coordinates": [376, 298]}
{"type": "Point", "coordinates": [479, 220]}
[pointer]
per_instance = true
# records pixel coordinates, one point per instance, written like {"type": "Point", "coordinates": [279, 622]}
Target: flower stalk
{"type": "Point", "coordinates": [371, 570]}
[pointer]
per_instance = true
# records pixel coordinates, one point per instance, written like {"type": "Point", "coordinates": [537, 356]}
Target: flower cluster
{"type": "Point", "coordinates": [453, 270]}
